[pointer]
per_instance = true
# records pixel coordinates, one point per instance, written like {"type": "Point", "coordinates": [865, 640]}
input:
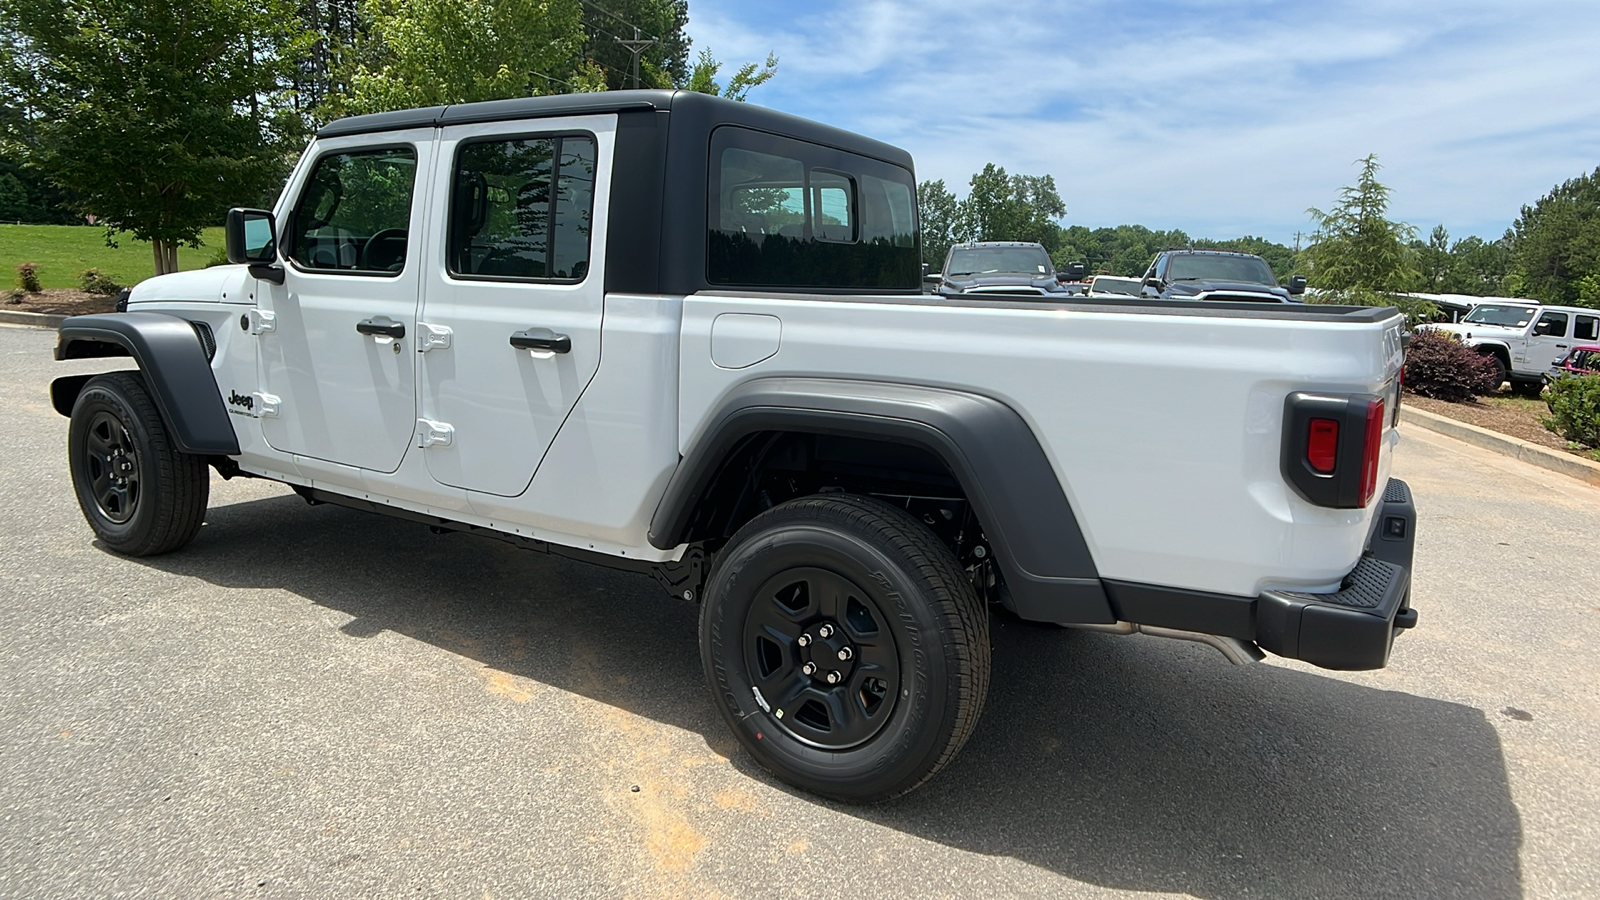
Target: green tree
{"type": "Point", "coordinates": [153, 116]}
{"type": "Point", "coordinates": [703, 77]}
{"type": "Point", "coordinates": [1434, 261]}
{"type": "Point", "coordinates": [1555, 243]}
{"type": "Point", "coordinates": [938, 208]}
{"type": "Point", "coordinates": [434, 52]}
{"type": "Point", "coordinates": [1359, 256]}
{"type": "Point", "coordinates": [1001, 207]}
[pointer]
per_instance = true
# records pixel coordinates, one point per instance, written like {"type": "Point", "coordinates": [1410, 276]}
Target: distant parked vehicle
{"type": "Point", "coordinates": [1114, 286]}
{"type": "Point", "coordinates": [1525, 341]}
{"type": "Point", "coordinates": [1584, 359]}
{"type": "Point", "coordinates": [1013, 268]}
{"type": "Point", "coordinates": [1219, 275]}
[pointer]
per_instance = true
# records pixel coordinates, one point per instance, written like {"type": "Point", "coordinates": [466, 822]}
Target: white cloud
{"type": "Point", "coordinates": [1218, 118]}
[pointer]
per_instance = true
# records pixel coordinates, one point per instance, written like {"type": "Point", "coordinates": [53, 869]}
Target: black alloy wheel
{"type": "Point", "coordinates": [845, 646]}
{"type": "Point", "coordinates": [139, 493]}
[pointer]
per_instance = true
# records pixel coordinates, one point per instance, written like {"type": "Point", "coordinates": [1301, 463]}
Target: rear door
{"type": "Point", "coordinates": [339, 356]}
{"type": "Point", "coordinates": [510, 323]}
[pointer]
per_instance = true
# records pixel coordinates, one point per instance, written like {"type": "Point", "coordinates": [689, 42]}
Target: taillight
{"type": "Point", "coordinates": [1369, 455]}
{"type": "Point", "coordinates": [1331, 446]}
{"type": "Point", "coordinates": [1322, 446]}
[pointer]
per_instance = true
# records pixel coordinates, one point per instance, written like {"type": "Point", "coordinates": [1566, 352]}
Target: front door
{"type": "Point", "coordinates": [510, 322]}
{"type": "Point", "coordinates": [339, 356]}
{"type": "Point", "coordinates": [1549, 341]}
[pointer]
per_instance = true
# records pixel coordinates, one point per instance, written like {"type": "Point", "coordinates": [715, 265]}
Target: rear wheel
{"type": "Point", "coordinates": [845, 647]}
{"type": "Point", "coordinates": [139, 493]}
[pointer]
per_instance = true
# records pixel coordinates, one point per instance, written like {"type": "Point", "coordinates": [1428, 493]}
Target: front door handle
{"type": "Point", "coordinates": [1561, 346]}
{"type": "Point", "coordinates": [381, 326]}
{"type": "Point", "coordinates": [541, 339]}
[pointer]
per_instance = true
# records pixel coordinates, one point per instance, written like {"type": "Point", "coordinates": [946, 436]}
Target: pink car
{"type": "Point", "coordinates": [1583, 359]}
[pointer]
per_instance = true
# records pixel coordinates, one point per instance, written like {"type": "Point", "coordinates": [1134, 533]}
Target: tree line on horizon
{"type": "Point", "coordinates": [156, 117]}
{"type": "Point", "coordinates": [1355, 254]}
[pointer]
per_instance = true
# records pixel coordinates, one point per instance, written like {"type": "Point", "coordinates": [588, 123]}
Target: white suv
{"type": "Point", "coordinates": [1525, 340]}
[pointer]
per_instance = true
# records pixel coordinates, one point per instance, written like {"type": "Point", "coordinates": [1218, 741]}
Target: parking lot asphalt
{"type": "Point", "coordinates": [315, 702]}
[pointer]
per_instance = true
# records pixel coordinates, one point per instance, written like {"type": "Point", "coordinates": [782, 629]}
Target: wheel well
{"type": "Point", "coordinates": [767, 468]}
{"type": "Point", "coordinates": [1498, 352]}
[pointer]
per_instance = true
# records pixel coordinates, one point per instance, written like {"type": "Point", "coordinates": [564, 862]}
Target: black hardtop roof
{"type": "Point", "coordinates": [700, 107]}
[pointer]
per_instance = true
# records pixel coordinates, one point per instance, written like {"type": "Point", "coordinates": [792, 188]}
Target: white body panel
{"type": "Point", "coordinates": [1164, 430]}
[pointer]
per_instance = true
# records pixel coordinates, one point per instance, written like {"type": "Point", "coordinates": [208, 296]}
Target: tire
{"type": "Point", "coordinates": [807, 581]}
{"type": "Point", "coordinates": [1501, 370]}
{"type": "Point", "coordinates": [1523, 388]}
{"type": "Point", "coordinates": [139, 493]}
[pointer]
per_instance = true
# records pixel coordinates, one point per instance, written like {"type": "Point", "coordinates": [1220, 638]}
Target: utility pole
{"type": "Point", "coordinates": [636, 47]}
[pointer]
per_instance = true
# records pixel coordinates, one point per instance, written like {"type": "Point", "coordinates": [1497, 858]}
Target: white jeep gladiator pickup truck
{"type": "Point", "coordinates": [685, 336]}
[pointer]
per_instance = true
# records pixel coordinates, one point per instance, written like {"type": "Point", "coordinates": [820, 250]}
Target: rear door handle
{"type": "Point", "coordinates": [541, 339]}
{"type": "Point", "coordinates": [381, 326]}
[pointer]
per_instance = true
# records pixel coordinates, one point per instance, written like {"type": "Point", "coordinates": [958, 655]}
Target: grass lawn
{"type": "Point", "coordinates": [63, 251]}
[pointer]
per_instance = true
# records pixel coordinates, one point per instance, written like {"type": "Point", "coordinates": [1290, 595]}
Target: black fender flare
{"type": "Point", "coordinates": [990, 449]}
{"type": "Point", "coordinates": [175, 368]}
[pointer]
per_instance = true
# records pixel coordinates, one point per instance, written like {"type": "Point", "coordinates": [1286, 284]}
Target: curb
{"type": "Point", "coordinates": [37, 320]}
{"type": "Point", "coordinates": [1516, 448]}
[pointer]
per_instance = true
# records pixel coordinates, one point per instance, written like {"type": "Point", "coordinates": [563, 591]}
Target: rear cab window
{"type": "Point", "coordinates": [787, 213]}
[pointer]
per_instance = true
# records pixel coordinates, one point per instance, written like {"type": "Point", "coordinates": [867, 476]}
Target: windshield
{"type": "Point", "coordinates": [1107, 285]}
{"type": "Point", "coordinates": [999, 260]}
{"type": "Point", "coordinates": [1507, 316]}
{"type": "Point", "coordinates": [1248, 269]}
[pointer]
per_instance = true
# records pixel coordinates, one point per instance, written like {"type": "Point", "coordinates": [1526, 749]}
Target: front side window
{"type": "Point", "coordinates": [523, 209]}
{"type": "Point", "coordinates": [354, 213]}
{"type": "Point", "coordinates": [1552, 324]}
{"type": "Point", "coordinates": [784, 212]}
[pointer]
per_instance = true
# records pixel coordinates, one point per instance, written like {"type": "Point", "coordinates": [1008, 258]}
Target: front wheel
{"type": "Point", "coordinates": [845, 647]}
{"type": "Point", "coordinates": [140, 494]}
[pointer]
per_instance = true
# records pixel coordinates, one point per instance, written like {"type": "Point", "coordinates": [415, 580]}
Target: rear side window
{"type": "Point", "coordinates": [1587, 329]}
{"type": "Point", "coordinates": [785, 213]}
{"type": "Point", "coordinates": [522, 209]}
{"type": "Point", "coordinates": [354, 213]}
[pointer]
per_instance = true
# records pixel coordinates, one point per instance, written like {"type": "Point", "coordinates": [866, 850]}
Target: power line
{"type": "Point", "coordinates": [598, 8]}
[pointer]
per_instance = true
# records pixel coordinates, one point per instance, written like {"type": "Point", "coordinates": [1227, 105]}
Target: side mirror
{"type": "Point", "coordinates": [1154, 282]}
{"type": "Point", "coordinates": [1297, 284]}
{"type": "Point", "coordinates": [252, 237]}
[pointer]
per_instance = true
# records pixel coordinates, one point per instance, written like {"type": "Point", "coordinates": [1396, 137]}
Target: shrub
{"type": "Point", "coordinates": [95, 283]}
{"type": "Point", "coordinates": [1574, 402]}
{"type": "Point", "coordinates": [1441, 367]}
{"type": "Point", "coordinates": [219, 258]}
{"type": "Point", "coordinates": [28, 278]}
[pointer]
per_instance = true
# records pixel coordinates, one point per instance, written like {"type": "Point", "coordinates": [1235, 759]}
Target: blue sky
{"type": "Point", "coordinates": [1220, 118]}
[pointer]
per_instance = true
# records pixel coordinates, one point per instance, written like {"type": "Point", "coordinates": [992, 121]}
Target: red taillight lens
{"type": "Point", "coordinates": [1322, 446]}
{"type": "Point", "coordinates": [1369, 455]}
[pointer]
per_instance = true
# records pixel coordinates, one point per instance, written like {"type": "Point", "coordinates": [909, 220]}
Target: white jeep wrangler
{"type": "Point", "coordinates": [1526, 341]}
{"type": "Point", "coordinates": [676, 334]}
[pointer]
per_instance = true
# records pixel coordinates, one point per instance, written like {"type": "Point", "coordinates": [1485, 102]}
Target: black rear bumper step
{"type": "Point", "coordinates": [1351, 628]}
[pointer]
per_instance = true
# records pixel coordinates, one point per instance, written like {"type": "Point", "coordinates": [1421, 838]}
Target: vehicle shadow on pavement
{"type": "Point", "coordinates": [1129, 763]}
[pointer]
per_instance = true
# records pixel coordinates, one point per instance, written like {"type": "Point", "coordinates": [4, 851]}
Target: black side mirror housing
{"type": "Point", "coordinates": [1297, 284]}
{"type": "Point", "coordinates": [1153, 281]}
{"type": "Point", "coordinates": [252, 237]}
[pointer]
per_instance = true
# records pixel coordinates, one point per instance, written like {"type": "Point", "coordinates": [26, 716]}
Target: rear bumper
{"type": "Point", "coordinates": [1352, 628]}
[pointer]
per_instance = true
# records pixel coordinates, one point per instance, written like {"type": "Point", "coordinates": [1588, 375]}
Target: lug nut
{"type": "Point", "coordinates": [809, 668]}
{"type": "Point", "coordinates": [804, 640]}
{"type": "Point", "coordinates": [833, 677]}
{"type": "Point", "coordinates": [845, 654]}
{"type": "Point", "coordinates": [825, 631]}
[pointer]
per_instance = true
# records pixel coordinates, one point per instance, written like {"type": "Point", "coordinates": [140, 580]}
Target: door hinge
{"type": "Point", "coordinates": [266, 406]}
{"type": "Point", "coordinates": [431, 336]}
{"type": "Point", "coordinates": [434, 434]}
{"type": "Point", "coordinates": [262, 321]}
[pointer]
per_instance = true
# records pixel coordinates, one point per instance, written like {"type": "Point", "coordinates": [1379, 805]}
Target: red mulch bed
{"type": "Point", "coordinates": [58, 301]}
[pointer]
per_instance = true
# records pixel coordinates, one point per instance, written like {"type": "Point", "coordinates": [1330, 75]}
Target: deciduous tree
{"type": "Point", "coordinates": [1555, 243]}
{"type": "Point", "coordinates": [154, 116]}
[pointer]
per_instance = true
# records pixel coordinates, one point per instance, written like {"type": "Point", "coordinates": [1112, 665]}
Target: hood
{"type": "Point", "coordinates": [199, 285]}
{"type": "Point", "coordinates": [1191, 288]}
{"type": "Point", "coordinates": [961, 283]}
{"type": "Point", "coordinates": [1478, 330]}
